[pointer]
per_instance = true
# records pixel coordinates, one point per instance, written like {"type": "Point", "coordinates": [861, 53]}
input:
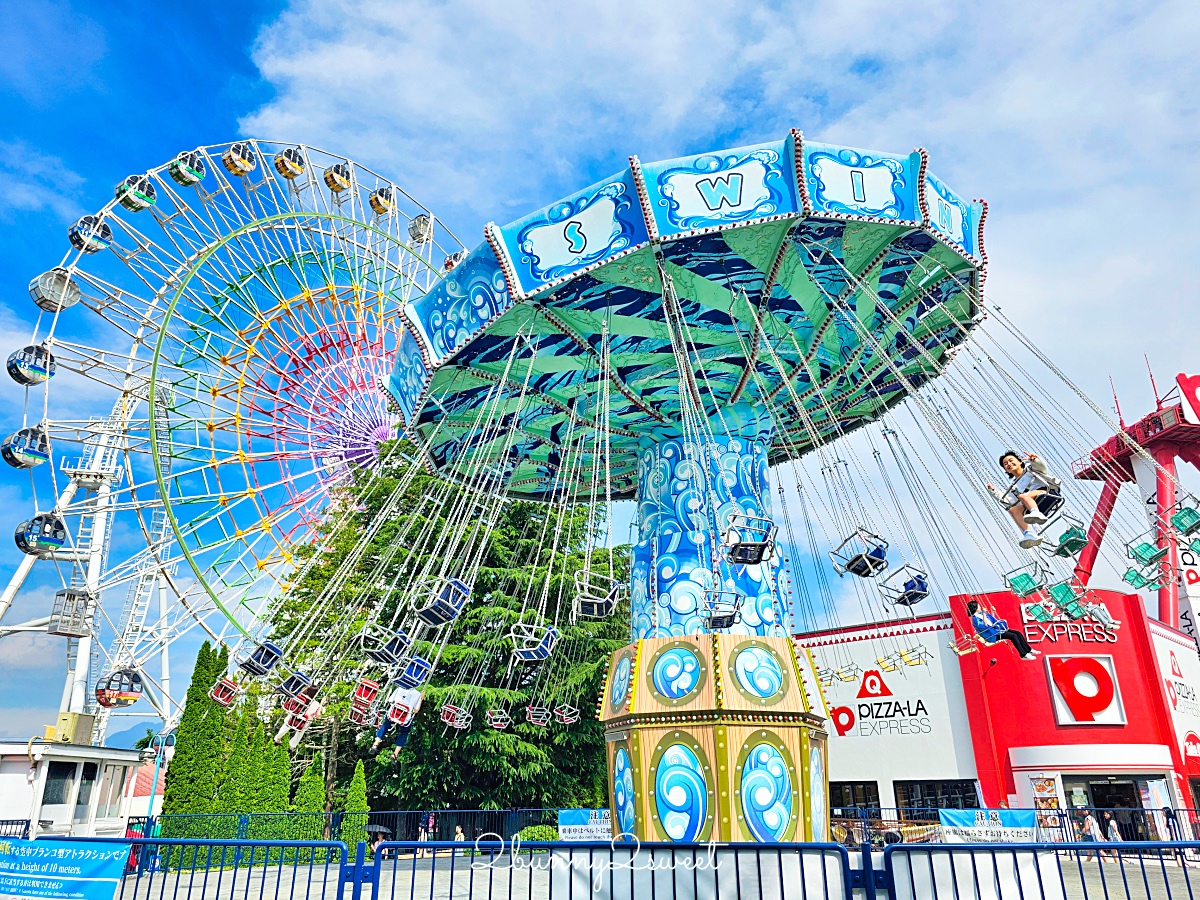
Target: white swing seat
{"type": "Point", "coordinates": [532, 643]}
{"type": "Point", "coordinates": [566, 714]}
{"type": "Point", "coordinates": [1099, 614]}
{"type": "Point", "coordinates": [721, 609]}
{"type": "Point", "coordinates": [749, 540]}
{"type": "Point", "coordinates": [498, 719]}
{"type": "Point", "coordinates": [456, 717]}
{"type": "Point", "coordinates": [447, 598]}
{"type": "Point", "coordinates": [538, 715]}
{"type": "Point", "coordinates": [826, 677]}
{"type": "Point", "coordinates": [863, 554]}
{"type": "Point", "coordinates": [596, 595]}
{"type": "Point", "coordinates": [915, 656]}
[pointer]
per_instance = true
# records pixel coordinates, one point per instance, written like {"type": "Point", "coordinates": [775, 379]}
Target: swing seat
{"type": "Point", "coordinates": [1039, 612]}
{"type": "Point", "coordinates": [299, 703]}
{"type": "Point", "coordinates": [366, 691]}
{"type": "Point", "coordinates": [963, 645]}
{"type": "Point", "coordinates": [1070, 542]}
{"type": "Point", "coordinates": [1138, 580]}
{"type": "Point", "coordinates": [862, 554]}
{"type": "Point", "coordinates": [224, 692]}
{"type": "Point", "coordinates": [1186, 521]}
{"type": "Point", "coordinates": [826, 677]}
{"type": "Point", "coordinates": [262, 659]}
{"type": "Point", "coordinates": [498, 719]}
{"type": "Point", "coordinates": [1145, 551]}
{"type": "Point", "coordinates": [447, 600]}
{"type": "Point", "coordinates": [848, 674]}
{"type": "Point", "coordinates": [1194, 546]}
{"type": "Point", "coordinates": [749, 539]}
{"type": "Point", "coordinates": [358, 715]}
{"type": "Point", "coordinates": [384, 648]}
{"type": "Point", "coordinates": [538, 715]}
{"type": "Point", "coordinates": [907, 586]}
{"type": "Point", "coordinates": [889, 663]}
{"type": "Point", "coordinates": [1025, 580]}
{"type": "Point", "coordinates": [721, 609]}
{"type": "Point", "coordinates": [596, 595]}
{"type": "Point", "coordinates": [915, 656]}
{"type": "Point", "coordinates": [456, 716]}
{"type": "Point", "coordinates": [401, 710]}
{"type": "Point", "coordinates": [1064, 596]}
{"type": "Point", "coordinates": [415, 672]}
{"type": "Point", "coordinates": [294, 684]}
{"type": "Point", "coordinates": [566, 714]}
{"type": "Point", "coordinates": [532, 643]}
{"type": "Point", "coordinates": [297, 722]}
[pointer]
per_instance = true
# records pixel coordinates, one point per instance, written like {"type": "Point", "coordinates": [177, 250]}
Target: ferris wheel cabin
{"type": "Point", "coordinates": [26, 448]}
{"type": "Point", "coordinates": [187, 169]}
{"type": "Point", "coordinates": [31, 365]}
{"type": "Point", "coordinates": [136, 193]}
{"type": "Point", "coordinates": [119, 689]}
{"type": "Point", "coordinates": [91, 234]}
{"type": "Point", "coordinates": [41, 535]}
{"type": "Point", "coordinates": [54, 290]}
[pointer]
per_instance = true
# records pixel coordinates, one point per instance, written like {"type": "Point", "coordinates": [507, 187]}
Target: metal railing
{"type": "Point", "coordinates": [400, 825]}
{"type": "Point", "coordinates": [160, 868]}
{"type": "Point", "coordinates": [18, 828]}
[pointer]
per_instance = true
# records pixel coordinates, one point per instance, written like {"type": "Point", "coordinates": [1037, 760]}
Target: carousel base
{"type": "Point", "coordinates": [710, 737]}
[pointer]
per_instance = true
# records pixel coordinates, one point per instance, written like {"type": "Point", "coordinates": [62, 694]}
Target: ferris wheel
{"type": "Point", "coordinates": [236, 309]}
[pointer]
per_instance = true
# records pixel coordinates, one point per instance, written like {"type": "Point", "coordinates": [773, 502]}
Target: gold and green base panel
{"type": "Point", "coordinates": [711, 737]}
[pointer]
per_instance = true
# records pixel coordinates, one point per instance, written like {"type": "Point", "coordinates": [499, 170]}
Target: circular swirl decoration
{"type": "Point", "coordinates": [621, 679]}
{"type": "Point", "coordinates": [624, 799]}
{"type": "Point", "coordinates": [816, 793]}
{"type": "Point", "coordinates": [766, 789]}
{"type": "Point", "coordinates": [683, 795]}
{"type": "Point", "coordinates": [758, 673]}
{"type": "Point", "coordinates": [676, 673]}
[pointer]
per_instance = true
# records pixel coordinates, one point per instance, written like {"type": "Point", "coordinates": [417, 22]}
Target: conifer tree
{"type": "Point", "coordinates": [310, 798]}
{"type": "Point", "coordinates": [256, 766]}
{"type": "Point", "coordinates": [231, 795]}
{"type": "Point", "coordinates": [191, 777]}
{"type": "Point", "coordinates": [357, 809]}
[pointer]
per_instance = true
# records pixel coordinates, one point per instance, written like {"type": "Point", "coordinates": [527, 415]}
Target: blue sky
{"type": "Point", "coordinates": [1076, 121]}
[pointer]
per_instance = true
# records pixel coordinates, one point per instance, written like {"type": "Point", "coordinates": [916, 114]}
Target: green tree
{"type": "Point", "coordinates": [255, 767]}
{"type": "Point", "coordinates": [232, 794]}
{"type": "Point", "coordinates": [191, 778]}
{"type": "Point", "coordinates": [357, 809]}
{"type": "Point", "coordinates": [477, 767]}
{"type": "Point", "coordinates": [310, 799]}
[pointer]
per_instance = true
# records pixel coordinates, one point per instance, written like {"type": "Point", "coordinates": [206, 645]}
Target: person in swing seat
{"type": "Point", "coordinates": [994, 630]}
{"type": "Point", "coordinates": [1030, 494]}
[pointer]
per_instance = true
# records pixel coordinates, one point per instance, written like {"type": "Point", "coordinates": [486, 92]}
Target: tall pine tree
{"type": "Point", "coordinates": [357, 809]}
{"type": "Point", "coordinates": [310, 799]}
{"type": "Point", "coordinates": [232, 793]}
{"type": "Point", "coordinates": [191, 778]}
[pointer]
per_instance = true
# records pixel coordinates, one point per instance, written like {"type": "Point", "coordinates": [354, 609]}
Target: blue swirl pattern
{"type": "Point", "coordinates": [758, 672]}
{"type": "Point", "coordinates": [672, 561]}
{"type": "Point", "coordinates": [766, 792]}
{"type": "Point", "coordinates": [462, 303]}
{"type": "Point", "coordinates": [676, 673]}
{"type": "Point", "coordinates": [620, 681]}
{"type": "Point", "coordinates": [623, 795]}
{"type": "Point", "coordinates": [409, 375]}
{"type": "Point", "coordinates": [681, 794]}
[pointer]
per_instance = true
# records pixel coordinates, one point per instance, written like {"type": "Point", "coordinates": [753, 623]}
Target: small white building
{"type": "Point", "coordinates": [67, 788]}
{"type": "Point", "coordinates": [899, 735]}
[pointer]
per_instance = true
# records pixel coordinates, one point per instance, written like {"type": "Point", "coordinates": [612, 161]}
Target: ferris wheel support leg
{"type": "Point", "coordinates": [98, 543]}
{"type": "Point", "coordinates": [163, 657]}
{"type": "Point", "coordinates": [26, 563]}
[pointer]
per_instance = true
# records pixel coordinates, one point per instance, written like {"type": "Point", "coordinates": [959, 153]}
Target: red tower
{"type": "Point", "coordinates": [1170, 432]}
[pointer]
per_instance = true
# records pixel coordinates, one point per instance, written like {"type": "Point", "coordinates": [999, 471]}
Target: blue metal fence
{"type": "Point", "coordinates": [161, 868]}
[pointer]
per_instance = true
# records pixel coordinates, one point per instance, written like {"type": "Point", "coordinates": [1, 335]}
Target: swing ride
{"type": "Point", "coordinates": [665, 336]}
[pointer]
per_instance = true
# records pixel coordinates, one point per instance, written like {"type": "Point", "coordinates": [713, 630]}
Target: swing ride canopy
{"type": "Point", "coordinates": [818, 286]}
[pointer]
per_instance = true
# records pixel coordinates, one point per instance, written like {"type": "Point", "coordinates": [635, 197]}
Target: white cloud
{"type": "Point", "coordinates": [31, 181]}
{"type": "Point", "coordinates": [1076, 121]}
